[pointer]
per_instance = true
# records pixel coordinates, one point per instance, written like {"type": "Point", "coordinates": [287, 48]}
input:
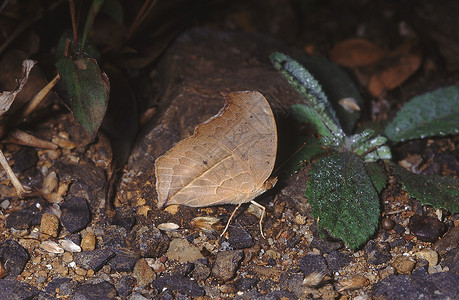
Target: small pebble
{"type": "Point", "coordinates": [226, 264]}
{"type": "Point", "coordinates": [183, 251]}
{"type": "Point", "coordinates": [386, 272]}
{"type": "Point", "coordinates": [300, 220]}
{"type": "Point", "coordinates": [354, 283]}
{"type": "Point", "coordinates": [88, 242]}
{"type": "Point", "coordinates": [143, 273]}
{"type": "Point", "coordinates": [67, 257]}
{"type": "Point", "coordinates": [51, 247]}
{"type": "Point", "coordinates": [49, 183]}
{"type": "Point", "coordinates": [377, 253]}
{"type": "Point", "coordinates": [168, 226]}
{"type": "Point", "coordinates": [69, 245]}
{"type": "Point", "coordinates": [313, 263]}
{"type": "Point", "coordinates": [387, 224]}
{"type": "Point", "coordinates": [239, 238]}
{"type": "Point", "coordinates": [430, 255]}
{"type": "Point", "coordinates": [80, 271]}
{"type": "Point", "coordinates": [94, 259]}
{"type": "Point", "coordinates": [49, 225]}
{"type": "Point", "coordinates": [403, 264]}
{"type": "Point", "coordinates": [75, 214]}
{"type": "Point", "coordinates": [5, 204]}
{"type": "Point", "coordinates": [272, 254]}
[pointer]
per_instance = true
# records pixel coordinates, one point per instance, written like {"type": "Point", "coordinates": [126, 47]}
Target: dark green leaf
{"type": "Point", "coordinates": [93, 11]}
{"type": "Point", "coordinates": [337, 85]}
{"type": "Point", "coordinates": [378, 175]}
{"type": "Point", "coordinates": [343, 197]}
{"type": "Point", "coordinates": [88, 88]}
{"type": "Point", "coordinates": [438, 191]}
{"type": "Point", "coordinates": [304, 83]}
{"type": "Point", "coordinates": [304, 113]}
{"type": "Point", "coordinates": [432, 114]}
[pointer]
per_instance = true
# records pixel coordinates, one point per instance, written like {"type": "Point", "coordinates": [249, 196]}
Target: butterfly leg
{"type": "Point", "coordinates": [229, 220]}
{"type": "Point", "coordinates": [263, 209]}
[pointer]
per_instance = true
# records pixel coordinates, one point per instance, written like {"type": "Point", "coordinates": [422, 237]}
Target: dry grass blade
{"type": "Point", "coordinates": [23, 138]}
{"type": "Point", "coordinates": [14, 180]}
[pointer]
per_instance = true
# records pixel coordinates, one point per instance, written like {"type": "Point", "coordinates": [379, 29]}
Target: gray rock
{"type": "Point", "coordinates": [24, 218]}
{"type": "Point", "coordinates": [148, 240]}
{"type": "Point", "coordinates": [13, 257]}
{"type": "Point", "coordinates": [98, 291]}
{"type": "Point", "coordinates": [239, 238]}
{"type": "Point", "coordinates": [115, 237]}
{"type": "Point", "coordinates": [326, 245]}
{"type": "Point", "coordinates": [125, 285]}
{"type": "Point", "coordinates": [94, 259]}
{"type": "Point", "coordinates": [59, 284]}
{"type": "Point", "coordinates": [124, 217]}
{"type": "Point", "coordinates": [182, 285]}
{"type": "Point", "coordinates": [451, 260]}
{"type": "Point", "coordinates": [75, 214]}
{"type": "Point", "coordinates": [226, 264]}
{"type": "Point", "coordinates": [426, 228]}
{"type": "Point", "coordinates": [24, 159]}
{"type": "Point", "coordinates": [293, 282]}
{"type": "Point", "coordinates": [15, 290]}
{"type": "Point", "coordinates": [448, 242]}
{"type": "Point", "coordinates": [377, 253]}
{"type": "Point", "coordinates": [183, 269]}
{"type": "Point", "coordinates": [201, 271]}
{"type": "Point", "coordinates": [123, 262]}
{"type": "Point", "coordinates": [313, 263]}
{"type": "Point", "coordinates": [421, 285]}
{"type": "Point", "coordinates": [337, 260]}
{"type": "Point", "coordinates": [246, 283]}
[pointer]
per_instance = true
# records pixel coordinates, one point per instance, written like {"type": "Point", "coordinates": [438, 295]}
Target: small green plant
{"type": "Point", "coordinates": [88, 87]}
{"type": "Point", "coordinates": [343, 187]}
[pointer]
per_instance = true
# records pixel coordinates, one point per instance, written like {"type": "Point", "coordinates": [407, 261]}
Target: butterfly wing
{"type": "Point", "coordinates": [226, 161]}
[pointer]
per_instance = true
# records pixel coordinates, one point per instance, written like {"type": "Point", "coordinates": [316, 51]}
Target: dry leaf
{"type": "Point", "coordinates": [7, 97]}
{"type": "Point", "coordinates": [403, 63]}
{"type": "Point", "coordinates": [356, 52]}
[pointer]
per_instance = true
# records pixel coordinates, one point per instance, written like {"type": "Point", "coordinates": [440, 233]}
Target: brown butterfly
{"type": "Point", "coordinates": [228, 159]}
